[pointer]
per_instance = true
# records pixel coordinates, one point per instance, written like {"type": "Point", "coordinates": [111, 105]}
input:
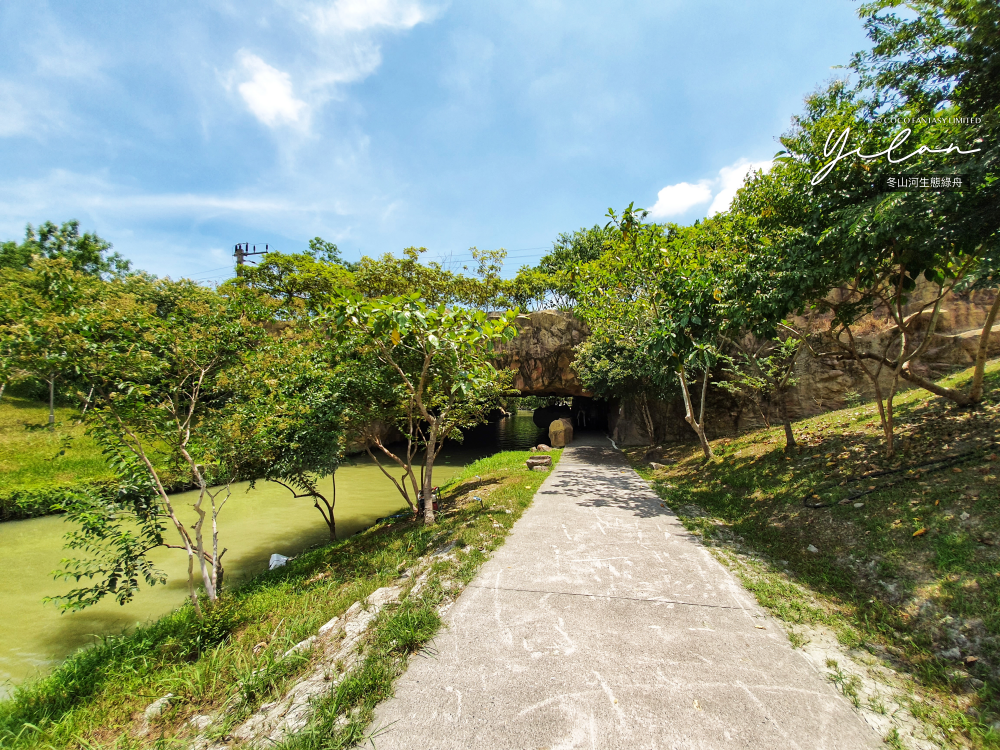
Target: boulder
{"type": "Point", "coordinates": [539, 463]}
{"type": "Point", "coordinates": [542, 447]}
{"type": "Point", "coordinates": [561, 433]}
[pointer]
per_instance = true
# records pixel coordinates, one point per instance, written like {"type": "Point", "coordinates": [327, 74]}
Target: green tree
{"type": "Point", "coordinates": [529, 289]}
{"type": "Point", "coordinates": [560, 266]}
{"type": "Point", "coordinates": [42, 326]}
{"type": "Point", "coordinates": [615, 295]}
{"type": "Point", "coordinates": [487, 290]}
{"type": "Point", "coordinates": [656, 290]}
{"type": "Point", "coordinates": [760, 372]}
{"type": "Point", "coordinates": [155, 355]}
{"type": "Point", "coordinates": [613, 364]}
{"type": "Point", "coordinates": [939, 58]}
{"type": "Point", "coordinates": [284, 423]}
{"type": "Point", "coordinates": [435, 363]}
{"type": "Point", "coordinates": [86, 253]}
{"type": "Point", "coordinates": [857, 252]}
{"type": "Point", "coordinates": [301, 283]}
{"type": "Point", "coordinates": [389, 276]}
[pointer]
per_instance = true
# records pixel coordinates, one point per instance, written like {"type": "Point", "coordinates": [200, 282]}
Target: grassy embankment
{"type": "Point", "coordinates": [37, 464]}
{"type": "Point", "coordinates": [904, 564]}
{"type": "Point", "coordinates": [96, 698]}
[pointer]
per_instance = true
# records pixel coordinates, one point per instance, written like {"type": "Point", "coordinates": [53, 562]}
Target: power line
{"type": "Point", "coordinates": [207, 271]}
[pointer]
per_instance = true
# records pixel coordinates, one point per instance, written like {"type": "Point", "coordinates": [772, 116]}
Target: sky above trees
{"type": "Point", "coordinates": [177, 131]}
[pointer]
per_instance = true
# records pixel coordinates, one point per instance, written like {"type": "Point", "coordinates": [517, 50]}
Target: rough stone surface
{"type": "Point", "coordinates": [822, 384]}
{"type": "Point", "coordinates": [157, 707]}
{"type": "Point", "coordinates": [339, 639]}
{"type": "Point", "coordinates": [543, 352]}
{"type": "Point", "coordinates": [152, 712]}
{"type": "Point", "coordinates": [601, 623]}
{"type": "Point", "coordinates": [539, 462]}
{"type": "Point", "coordinates": [561, 433]}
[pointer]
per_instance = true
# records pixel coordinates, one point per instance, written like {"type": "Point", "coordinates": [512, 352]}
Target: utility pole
{"type": "Point", "coordinates": [243, 249]}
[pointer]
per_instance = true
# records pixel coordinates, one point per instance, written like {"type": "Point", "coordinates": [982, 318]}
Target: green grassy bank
{"type": "Point", "coordinates": [38, 465]}
{"type": "Point", "coordinates": [900, 559]}
{"type": "Point", "coordinates": [232, 658]}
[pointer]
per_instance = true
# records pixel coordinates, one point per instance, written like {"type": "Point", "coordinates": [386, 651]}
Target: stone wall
{"type": "Point", "coordinates": [822, 383]}
{"type": "Point", "coordinates": [543, 354]}
{"type": "Point", "coordinates": [825, 383]}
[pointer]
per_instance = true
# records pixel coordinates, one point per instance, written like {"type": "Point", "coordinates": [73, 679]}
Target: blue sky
{"type": "Point", "coordinates": [177, 129]}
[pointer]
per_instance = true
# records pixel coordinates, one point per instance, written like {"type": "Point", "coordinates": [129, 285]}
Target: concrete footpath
{"type": "Point", "coordinates": [601, 623]}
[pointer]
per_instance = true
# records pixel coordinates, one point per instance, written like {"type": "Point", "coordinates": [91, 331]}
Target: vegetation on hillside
{"type": "Point", "coordinates": [899, 556]}
{"type": "Point", "coordinates": [33, 456]}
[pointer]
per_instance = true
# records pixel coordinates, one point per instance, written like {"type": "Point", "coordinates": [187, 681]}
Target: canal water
{"type": "Point", "coordinates": [35, 636]}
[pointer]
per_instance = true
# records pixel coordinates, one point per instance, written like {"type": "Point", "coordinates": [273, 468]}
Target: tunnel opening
{"type": "Point", "coordinates": [586, 413]}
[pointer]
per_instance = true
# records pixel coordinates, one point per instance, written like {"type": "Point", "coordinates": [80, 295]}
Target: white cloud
{"type": "Point", "coordinates": [159, 231]}
{"type": "Point", "coordinates": [731, 179]}
{"type": "Point", "coordinates": [676, 199]}
{"type": "Point", "coordinates": [360, 15]}
{"type": "Point", "coordinates": [340, 45]}
{"type": "Point", "coordinates": [268, 93]}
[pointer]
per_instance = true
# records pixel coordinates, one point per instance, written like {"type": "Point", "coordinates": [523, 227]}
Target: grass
{"type": "Point", "coordinates": [232, 658]}
{"type": "Point", "coordinates": [902, 557]}
{"type": "Point", "coordinates": [33, 456]}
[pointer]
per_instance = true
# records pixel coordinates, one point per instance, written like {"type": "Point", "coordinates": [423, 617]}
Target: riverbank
{"type": "Point", "coordinates": [38, 465]}
{"type": "Point", "coordinates": [98, 696]}
{"type": "Point", "coordinates": [41, 469]}
{"type": "Point", "coordinates": [895, 578]}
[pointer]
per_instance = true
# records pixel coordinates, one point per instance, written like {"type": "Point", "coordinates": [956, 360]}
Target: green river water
{"type": "Point", "coordinates": [34, 636]}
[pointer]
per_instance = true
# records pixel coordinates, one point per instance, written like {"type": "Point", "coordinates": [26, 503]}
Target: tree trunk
{"type": "Point", "coordinates": [696, 425]}
{"type": "Point", "coordinates": [429, 453]}
{"type": "Point", "coordinates": [86, 404]}
{"type": "Point", "coordinates": [647, 417]}
{"type": "Point", "coordinates": [786, 422]}
{"type": "Point", "coordinates": [52, 403]}
{"type": "Point", "coordinates": [333, 521]}
{"type": "Point", "coordinates": [976, 392]}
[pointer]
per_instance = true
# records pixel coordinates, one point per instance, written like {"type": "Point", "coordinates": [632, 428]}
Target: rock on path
{"type": "Point", "coordinates": [602, 624]}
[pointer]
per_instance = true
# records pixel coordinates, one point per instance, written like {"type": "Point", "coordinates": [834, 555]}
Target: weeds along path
{"type": "Point", "coordinates": [603, 623]}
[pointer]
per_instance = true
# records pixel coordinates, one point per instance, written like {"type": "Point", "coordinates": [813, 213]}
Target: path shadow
{"type": "Point", "coordinates": [606, 488]}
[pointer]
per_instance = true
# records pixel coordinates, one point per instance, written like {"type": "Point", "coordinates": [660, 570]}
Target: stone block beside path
{"type": "Point", "coordinates": [561, 433]}
{"type": "Point", "coordinates": [539, 463]}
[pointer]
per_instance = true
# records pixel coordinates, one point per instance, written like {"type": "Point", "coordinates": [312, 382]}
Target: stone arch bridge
{"type": "Point", "coordinates": [542, 356]}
